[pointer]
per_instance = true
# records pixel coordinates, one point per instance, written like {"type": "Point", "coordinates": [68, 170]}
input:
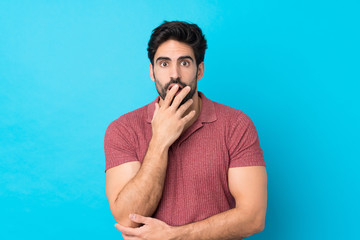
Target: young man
{"type": "Point", "coordinates": [183, 166]}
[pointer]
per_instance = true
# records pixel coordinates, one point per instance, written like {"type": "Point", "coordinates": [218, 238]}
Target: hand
{"type": "Point", "coordinates": [152, 229]}
{"type": "Point", "coordinates": [168, 121]}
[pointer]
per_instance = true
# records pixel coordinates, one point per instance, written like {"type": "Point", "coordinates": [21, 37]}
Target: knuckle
{"type": "Point", "coordinates": [182, 110]}
{"type": "Point", "coordinates": [176, 101]}
{"type": "Point", "coordinates": [169, 96]}
{"type": "Point", "coordinates": [185, 106]}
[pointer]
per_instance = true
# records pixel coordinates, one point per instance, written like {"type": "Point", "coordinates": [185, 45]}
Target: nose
{"type": "Point", "coordinates": [175, 72]}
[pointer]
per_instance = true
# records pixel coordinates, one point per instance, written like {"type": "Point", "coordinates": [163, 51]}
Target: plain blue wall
{"type": "Point", "coordinates": [68, 68]}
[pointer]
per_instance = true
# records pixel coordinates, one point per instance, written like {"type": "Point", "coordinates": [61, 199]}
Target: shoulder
{"type": "Point", "coordinates": [230, 115]}
{"type": "Point", "coordinates": [130, 120]}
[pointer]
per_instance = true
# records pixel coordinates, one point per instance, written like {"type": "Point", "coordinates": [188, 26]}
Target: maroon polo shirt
{"type": "Point", "coordinates": [196, 185]}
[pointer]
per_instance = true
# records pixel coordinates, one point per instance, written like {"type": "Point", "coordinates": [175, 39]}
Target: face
{"type": "Point", "coordinates": [174, 63]}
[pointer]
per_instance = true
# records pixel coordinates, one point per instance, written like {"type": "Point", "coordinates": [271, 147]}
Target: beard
{"type": "Point", "coordinates": [162, 90]}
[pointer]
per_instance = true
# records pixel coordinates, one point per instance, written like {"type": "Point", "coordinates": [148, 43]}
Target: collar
{"type": "Point", "coordinates": [207, 113]}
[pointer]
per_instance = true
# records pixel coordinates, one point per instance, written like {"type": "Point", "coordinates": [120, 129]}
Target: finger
{"type": "Point", "coordinates": [126, 230]}
{"type": "Point", "coordinates": [188, 117]}
{"type": "Point", "coordinates": [128, 237]}
{"type": "Point", "coordinates": [170, 95]}
{"type": "Point", "coordinates": [156, 109]}
{"type": "Point", "coordinates": [182, 109]}
{"type": "Point", "coordinates": [178, 99]}
{"type": "Point", "coordinates": [139, 219]}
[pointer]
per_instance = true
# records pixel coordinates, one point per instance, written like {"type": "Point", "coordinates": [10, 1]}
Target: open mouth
{"type": "Point", "coordinates": [173, 84]}
{"type": "Point", "coordinates": [179, 89]}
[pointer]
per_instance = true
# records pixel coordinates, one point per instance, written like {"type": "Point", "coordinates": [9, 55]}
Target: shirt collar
{"type": "Point", "coordinates": [207, 113]}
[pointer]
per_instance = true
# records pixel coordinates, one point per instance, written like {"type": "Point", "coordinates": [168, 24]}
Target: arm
{"type": "Point", "coordinates": [132, 187]}
{"type": "Point", "coordinates": [248, 187]}
{"type": "Point", "coordinates": [135, 188]}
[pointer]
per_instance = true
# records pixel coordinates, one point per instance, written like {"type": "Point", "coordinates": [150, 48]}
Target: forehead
{"type": "Point", "coordinates": [174, 49]}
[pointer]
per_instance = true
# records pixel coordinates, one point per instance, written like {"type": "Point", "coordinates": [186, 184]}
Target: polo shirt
{"type": "Point", "coordinates": [196, 185]}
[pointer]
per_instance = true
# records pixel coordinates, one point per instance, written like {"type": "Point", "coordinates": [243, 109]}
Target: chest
{"type": "Point", "coordinates": [199, 158]}
{"type": "Point", "coordinates": [200, 153]}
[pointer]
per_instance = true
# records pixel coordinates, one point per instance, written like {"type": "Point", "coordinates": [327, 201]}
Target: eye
{"type": "Point", "coordinates": [185, 63]}
{"type": "Point", "coordinates": [164, 64]}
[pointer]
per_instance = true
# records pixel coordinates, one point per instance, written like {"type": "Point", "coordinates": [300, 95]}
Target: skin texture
{"type": "Point", "coordinates": [134, 190]}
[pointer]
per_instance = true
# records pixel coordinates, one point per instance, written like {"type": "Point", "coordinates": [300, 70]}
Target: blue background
{"type": "Point", "coordinates": [68, 68]}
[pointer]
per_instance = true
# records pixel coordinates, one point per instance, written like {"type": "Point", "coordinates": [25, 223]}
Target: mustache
{"type": "Point", "coordinates": [177, 80]}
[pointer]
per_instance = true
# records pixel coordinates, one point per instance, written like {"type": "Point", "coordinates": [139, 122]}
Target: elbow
{"type": "Point", "coordinates": [258, 221]}
{"type": "Point", "coordinates": [121, 216]}
{"type": "Point", "coordinates": [253, 228]}
{"type": "Point", "coordinates": [126, 222]}
{"type": "Point", "coordinates": [258, 225]}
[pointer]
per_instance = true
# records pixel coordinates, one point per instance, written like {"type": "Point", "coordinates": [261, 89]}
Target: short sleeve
{"type": "Point", "coordinates": [119, 145]}
{"type": "Point", "coordinates": [244, 145]}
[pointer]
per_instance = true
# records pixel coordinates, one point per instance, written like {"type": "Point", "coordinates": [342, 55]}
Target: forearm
{"type": "Point", "coordinates": [143, 192]}
{"type": "Point", "coordinates": [233, 224]}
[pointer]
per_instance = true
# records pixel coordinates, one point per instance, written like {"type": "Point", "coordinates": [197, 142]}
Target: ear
{"type": "Point", "coordinates": [152, 72]}
{"type": "Point", "coordinates": [200, 72]}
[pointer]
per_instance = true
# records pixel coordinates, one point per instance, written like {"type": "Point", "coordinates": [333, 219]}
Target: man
{"type": "Point", "coordinates": [183, 166]}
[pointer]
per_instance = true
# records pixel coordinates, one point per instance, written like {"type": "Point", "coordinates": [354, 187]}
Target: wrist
{"type": "Point", "coordinates": [175, 233]}
{"type": "Point", "coordinates": [179, 233]}
{"type": "Point", "coordinates": [157, 145]}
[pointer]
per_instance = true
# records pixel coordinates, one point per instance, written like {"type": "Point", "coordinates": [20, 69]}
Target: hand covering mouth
{"type": "Point", "coordinates": [173, 84]}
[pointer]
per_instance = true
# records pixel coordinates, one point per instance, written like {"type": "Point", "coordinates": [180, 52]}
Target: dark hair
{"type": "Point", "coordinates": [184, 32]}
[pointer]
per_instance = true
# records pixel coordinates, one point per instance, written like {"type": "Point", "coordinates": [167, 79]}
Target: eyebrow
{"type": "Point", "coordinates": [180, 58]}
{"type": "Point", "coordinates": [186, 57]}
{"type": "Point", "coordinates": [162, 58]}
